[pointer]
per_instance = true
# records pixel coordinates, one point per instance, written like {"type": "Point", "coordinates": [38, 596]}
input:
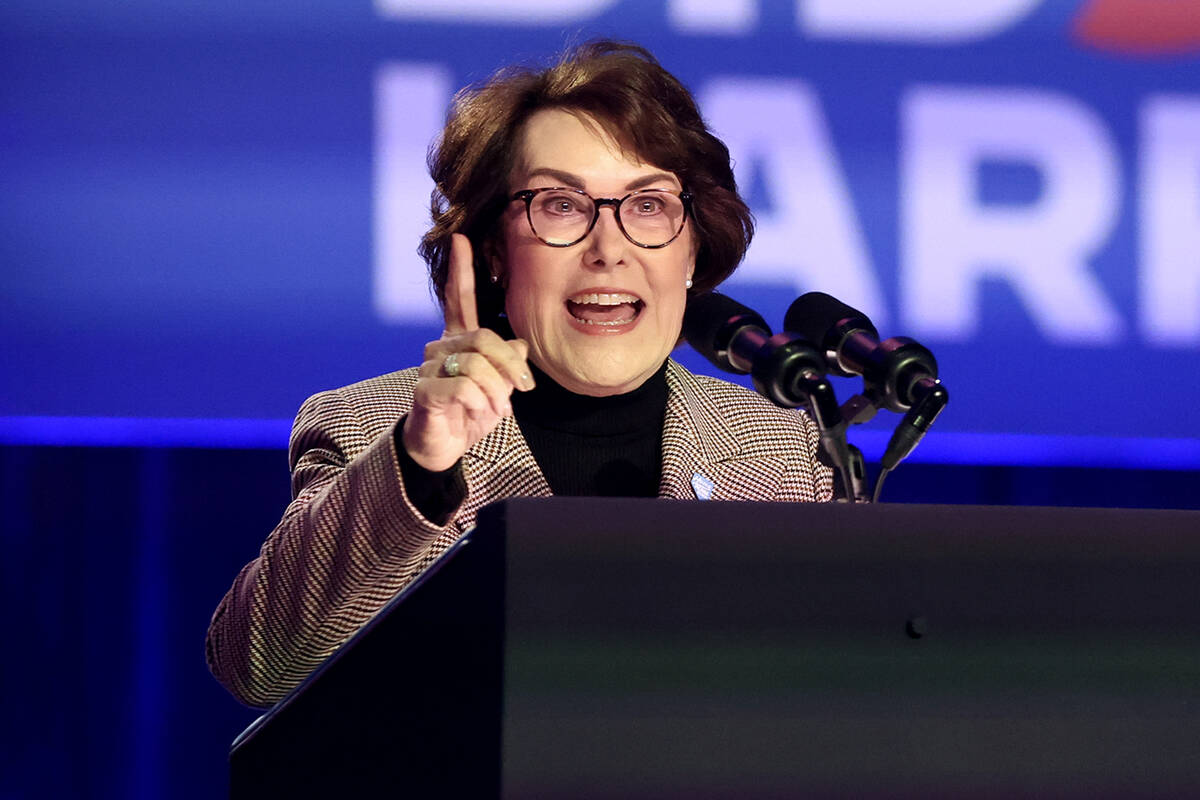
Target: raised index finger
{"type": "Point", "coordinates": [461, 313]}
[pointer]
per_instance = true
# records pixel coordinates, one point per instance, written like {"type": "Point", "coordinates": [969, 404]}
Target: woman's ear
{"type": "Point", "coordinates": [495, 263]}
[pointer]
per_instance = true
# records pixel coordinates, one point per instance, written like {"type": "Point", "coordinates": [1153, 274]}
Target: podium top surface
{"type": "Point", "coordinates": [840, 530]}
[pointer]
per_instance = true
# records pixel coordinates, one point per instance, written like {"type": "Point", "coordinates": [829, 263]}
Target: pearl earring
{"type": "Point", "coordinates": [495, 278]}
{"type": "Point", "coordinates": [687, 284]}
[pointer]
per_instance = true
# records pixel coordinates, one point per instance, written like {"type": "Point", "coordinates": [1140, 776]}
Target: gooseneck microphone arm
{"type": "Point", "coordinates": [785, 368]}
{"type": "Point", "coordinates": [930, 397]}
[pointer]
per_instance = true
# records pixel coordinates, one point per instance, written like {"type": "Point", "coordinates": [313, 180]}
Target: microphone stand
{"type": "Point", "coordinates": [929, 397]}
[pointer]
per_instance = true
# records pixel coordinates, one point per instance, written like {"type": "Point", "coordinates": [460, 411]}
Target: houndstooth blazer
{"type": "Point", "coordinates": [351, 539]}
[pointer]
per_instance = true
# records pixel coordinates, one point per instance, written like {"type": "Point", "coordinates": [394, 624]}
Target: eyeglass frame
{"type": "Point", "coordinates": [599, 202]}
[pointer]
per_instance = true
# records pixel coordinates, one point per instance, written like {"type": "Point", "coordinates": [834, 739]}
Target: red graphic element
{"type": "Point", "coordinates": [1140, 27]}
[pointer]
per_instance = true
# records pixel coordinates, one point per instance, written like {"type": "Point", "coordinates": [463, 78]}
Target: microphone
{"type": "Point", "coordinates": [724, 331]}
{"type": "Point", "coordinates": [785, 368]}
{"type": "Point", "coordinates": [896, 372]}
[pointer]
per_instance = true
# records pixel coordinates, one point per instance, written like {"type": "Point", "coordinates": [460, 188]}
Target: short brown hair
{"type": "Point", "coordinates": [637, 102]}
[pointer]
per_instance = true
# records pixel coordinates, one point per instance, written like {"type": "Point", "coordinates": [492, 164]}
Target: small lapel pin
{"type": "Point", "coordinates": [702, 486]}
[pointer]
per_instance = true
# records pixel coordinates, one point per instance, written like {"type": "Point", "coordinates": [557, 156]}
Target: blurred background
{"type": "Point", "coordinates": [210, 211]}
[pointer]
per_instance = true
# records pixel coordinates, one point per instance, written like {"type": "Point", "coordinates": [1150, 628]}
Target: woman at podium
{"type": "Point", "coordinates": [576, 209]}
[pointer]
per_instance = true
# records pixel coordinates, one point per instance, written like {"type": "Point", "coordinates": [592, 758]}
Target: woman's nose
{"type": "Point", "coordinates": [606, 243]}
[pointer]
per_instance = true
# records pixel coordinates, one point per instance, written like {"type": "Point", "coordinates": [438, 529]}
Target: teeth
{"type": "Point", "coordinates": [603, 299]}
{"type": "Point", "coordinates": [607, 323]}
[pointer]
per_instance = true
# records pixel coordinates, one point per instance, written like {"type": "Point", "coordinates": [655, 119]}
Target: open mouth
{"type": "Point", "coordinates": [606, 309]}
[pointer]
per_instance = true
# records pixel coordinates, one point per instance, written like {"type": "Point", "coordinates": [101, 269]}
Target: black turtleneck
{"type": "Point", "coordinates": [593, 446]}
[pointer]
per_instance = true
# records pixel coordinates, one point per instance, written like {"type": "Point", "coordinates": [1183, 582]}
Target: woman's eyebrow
{"type": "Point", "coordinates": [571, 180]}
{"type": "Point", "coordinates": [650, 180]}
{"type": "Point", "coordinates": [565, 178]}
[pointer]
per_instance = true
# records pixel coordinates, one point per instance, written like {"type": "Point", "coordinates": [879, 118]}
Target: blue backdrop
{"type": "Point", "coordinates": [211, 209]}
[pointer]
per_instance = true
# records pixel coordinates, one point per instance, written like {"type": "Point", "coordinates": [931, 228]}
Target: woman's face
{"type": "Point", "coordinates": [601, 315]}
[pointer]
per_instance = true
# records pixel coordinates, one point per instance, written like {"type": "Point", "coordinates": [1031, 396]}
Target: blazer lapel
{"type": "Point", "coordinates": [695, 438]}
{"type": "Point", "coordinates": [703, 456]}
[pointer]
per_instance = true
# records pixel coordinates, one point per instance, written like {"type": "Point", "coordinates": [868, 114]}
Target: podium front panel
{"type": "Point", "coordinates": [671, 649]}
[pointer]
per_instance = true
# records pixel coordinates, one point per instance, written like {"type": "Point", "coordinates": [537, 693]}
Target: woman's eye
{"type": "Point", "coordinates": [649, 206]}
{"type": "Point", "coordinates": [561, 205]}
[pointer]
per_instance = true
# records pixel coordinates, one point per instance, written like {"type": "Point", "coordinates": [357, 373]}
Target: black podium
{"type": "Point", "coordinates": [604, 648]}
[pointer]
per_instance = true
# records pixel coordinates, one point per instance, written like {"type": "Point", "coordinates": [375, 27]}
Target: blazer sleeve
{"type": "Point", "coordinates": [348, 542]}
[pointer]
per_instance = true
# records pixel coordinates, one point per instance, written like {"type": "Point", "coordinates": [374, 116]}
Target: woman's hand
{"type": "Point", "coordinates": [464, 385]}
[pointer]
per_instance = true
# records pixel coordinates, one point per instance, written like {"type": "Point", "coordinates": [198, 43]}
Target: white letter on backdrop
{"type": "Point", "coordinates": [929, 21]}
{"type": "Point", "coordinates": [731, 17]}
{"type": "Point", "coordinates": [811, 238]}
{"type": "Point", "coordinates": [511, 12]}
{"type": "Point", "coordinates": [950, 241]}
{"type": "Point", "coordinates": [410, 104]}
{"type": "Point", "coordinates": [1169, 221]}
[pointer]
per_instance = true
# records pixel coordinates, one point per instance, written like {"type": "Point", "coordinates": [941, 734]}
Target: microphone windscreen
{"type": "Point", "coordinates": [816, 316]}
{"type": "Point", "coordinates": [711, 320]}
